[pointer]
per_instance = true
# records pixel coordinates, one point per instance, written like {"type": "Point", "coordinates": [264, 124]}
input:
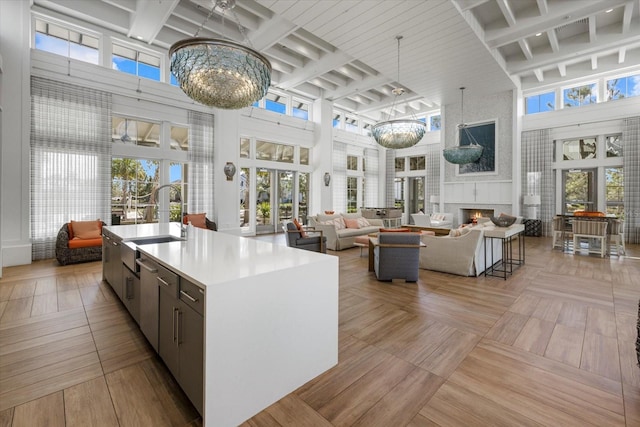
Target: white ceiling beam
{"type": "Point", "coordinates": [148, 19]}
{"type": "Point", "coordinates": [320, 82]}
{"type": "Point", "coordinates": [553, 40]}
{"type": "Point", "coordinates": [270, 33]}
{"type": "Point", "coordinates": [335, 78]}
{"type": "Point", "coordinates": [360, 99]}
{"type": "Point", "coordinates": [315, 41]}
{"type": "Point", "coordinates": [315, 68]}
{"type": "Point", "coordinates": [247, 19]}
{"type": "Point", "coordinates": [539, 74]}
{"type": "Point", "coordinates": [470, 4]}
{"type": "Point", "coordinates": [102, 14]}
{"type": "Point", "coordinates": [557, 16]}
{"type": "Point", "coordinates": [283, 67]}
{"type": "Point", "coordinates": [388, 103]}
{"type": "Point", "coordinates": [296, 44]}
{"type": "Point", "coordinates": [370, 95]}
{"type": "Point", "coordinates": [621, 54]}
{"type": "Point", "coordinates": [526, 49]}
{"type": "Point", "coordinates": [505, 8]}
{"type": "Point", "coordinates": [562, 69]}
{"type": "Point", "coordinates": [626, 17]}
{"type": "Point", "coordinates": [575, 48]}
{"type": "Point", "coordinates": [285, 56]}
{"type": "Point", "coordinates": [194, 16]}
{"type": "Point", "coordinates": [543, 7]}
{"type": "Point", "coordinates": [351, 72]}
{"type": "Point", "coordinates": [359, 86]}
{"type": "Point", "coordinates": [592, 29]}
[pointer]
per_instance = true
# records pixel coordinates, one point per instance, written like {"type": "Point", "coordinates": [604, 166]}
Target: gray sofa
{"type": "Point", "coordinates": [342, 238]}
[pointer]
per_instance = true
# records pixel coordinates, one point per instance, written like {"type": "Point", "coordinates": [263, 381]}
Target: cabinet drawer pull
{"type": "Point", "coordinates": [146, 267]}
{"type": "Point", "coordinates": [114, 243]}
{"type": "Point", "coordinates": [161, 280]}
{"type": "Point", "coordinates": [189, 297]}
{"type": "Point", "coordinates": [173, 326]}
{"type": "Point", "coordinates": [128, 288]}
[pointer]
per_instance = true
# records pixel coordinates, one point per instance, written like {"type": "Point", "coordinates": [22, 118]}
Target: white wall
{"type": "Point", "coordinates": [14, 202]}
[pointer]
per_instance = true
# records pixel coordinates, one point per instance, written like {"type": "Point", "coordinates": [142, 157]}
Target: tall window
{"type": "Point", "coordinates": [303, 196]}
{"type": "Point", "coordinates": [70, 155]}
{"type": "Point", "coordinates": [132, 61]}
{"type": "Point", "coordinates": [69, 43]}
{"type": "Point", "coordinates": [352, 163]}
{"type": "Point", "coordinates": [352, 194]}
{"type": "Point", "coordinates": [615, 191]}
{"type": "Point", "coordinates": [245, 182]}
{"type": "Point", "coordinates": [132, 188]}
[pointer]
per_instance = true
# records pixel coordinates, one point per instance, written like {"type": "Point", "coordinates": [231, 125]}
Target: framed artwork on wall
{"type": "Point", "coordinates": [485, 135]}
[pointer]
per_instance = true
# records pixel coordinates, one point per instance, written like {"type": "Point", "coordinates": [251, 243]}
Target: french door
{"type": "Point", "coordinates": [274, 199]}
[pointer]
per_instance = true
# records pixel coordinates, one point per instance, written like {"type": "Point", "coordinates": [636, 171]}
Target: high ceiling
{"type": "Point", "coordinates": [346, 50]}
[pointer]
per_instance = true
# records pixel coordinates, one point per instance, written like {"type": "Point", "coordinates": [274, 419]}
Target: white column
{"type": "Point", "coordinates": [322, 155]}
{"type": "Point", "coordinates": [227, 149]}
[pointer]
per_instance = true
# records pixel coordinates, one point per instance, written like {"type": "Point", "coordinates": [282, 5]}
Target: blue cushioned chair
{"type": "Point", "coordinates": [397, 256]}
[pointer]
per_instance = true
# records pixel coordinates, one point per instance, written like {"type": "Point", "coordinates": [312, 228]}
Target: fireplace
{"type": "Point", "coordinates": [469, 216]}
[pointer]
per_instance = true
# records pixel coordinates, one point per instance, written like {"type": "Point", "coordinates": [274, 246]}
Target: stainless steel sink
{"type": "Point", "coordinates": [159, 239]}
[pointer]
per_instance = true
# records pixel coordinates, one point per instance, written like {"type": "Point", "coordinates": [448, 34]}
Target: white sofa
{"type": "Point", "coordinates": [339, 238]}
{"type": "Point", "coordinates": [435, 220]}
{"type": "Point", "coordinates": [463, 255]}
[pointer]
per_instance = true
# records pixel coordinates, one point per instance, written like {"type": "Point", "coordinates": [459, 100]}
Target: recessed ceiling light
{"type": "Point", "coordinates": [538, 34]}
{"type": "Point", "coordinates": [609, 10]}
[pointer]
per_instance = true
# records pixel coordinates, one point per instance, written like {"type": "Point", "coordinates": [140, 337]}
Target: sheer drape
{"type": "Point", "coordinates": [631, 150]}
{"type": "Point", "coordinates": [70, 159]}
{"type": "Point", "coordinates": [339, 178]}
{"type": "Point", "coordinates": [371, 177]}
{"type": "Point", "coordinates": [390, 179]}
{"type": "Point", "coordinates": [432, 178]}
{"type": "Point", "coordinates": [537, 174]}
{"type": "Point", "coordinates": [201, 167]}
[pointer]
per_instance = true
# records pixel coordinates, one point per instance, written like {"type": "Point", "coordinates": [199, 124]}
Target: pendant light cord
{"type": "Point", "coordinates": [224, 6]}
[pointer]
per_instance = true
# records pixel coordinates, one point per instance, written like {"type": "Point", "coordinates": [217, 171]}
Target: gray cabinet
{"type": "Point", "coordinates": [181, 335]}
{"type": "Point", "coordinates": [149, 299]}
{"type": "Point", "coordinates": [111, 262]}
{"type": "Point", "coordinates": [131, 293]}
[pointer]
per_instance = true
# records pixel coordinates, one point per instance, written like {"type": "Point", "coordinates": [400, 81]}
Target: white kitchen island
{"type": "Point", "coordinates": [270, 314]}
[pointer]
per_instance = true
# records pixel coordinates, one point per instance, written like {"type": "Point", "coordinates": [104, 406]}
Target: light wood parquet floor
{"type": "Point", "coordinates": [554, 345]}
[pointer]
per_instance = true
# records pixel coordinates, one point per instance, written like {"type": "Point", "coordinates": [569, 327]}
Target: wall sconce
{"type": "Point", "coordinates": [327, 179]}
{"type": "Point", "coordinates": [229, 171]}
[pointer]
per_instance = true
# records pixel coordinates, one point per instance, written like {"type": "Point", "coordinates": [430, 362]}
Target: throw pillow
{"type": "Point", "coordinates": [351, 223]}
{"type": "Point", "coordinates": [86, 229]}
{"type": "Point", "coordinates": [298, 225]}
{"type": "Point", "coordinates": [457, 232]}
{"type": "Point", "coordinates": [352, 215]}
{"type": "Point", "coordinates": [198, 220]}
{"type": "Point", "coordinates": [339, 223]}
{"type": "Point", "coordinates": [362, 222]}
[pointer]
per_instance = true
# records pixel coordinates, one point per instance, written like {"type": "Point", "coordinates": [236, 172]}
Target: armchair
{"type": "Point", "coordinates": [397, 256]}
{"type": "Point", "coordinates": [294, 239]}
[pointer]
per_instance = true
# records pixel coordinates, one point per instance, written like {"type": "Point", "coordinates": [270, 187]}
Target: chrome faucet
{"type": "Point", "coordinates": [183, 226]}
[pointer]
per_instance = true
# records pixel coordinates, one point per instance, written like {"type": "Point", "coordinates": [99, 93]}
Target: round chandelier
{"type": "Point", "coordinates": [463, 154]}
{"type": "Point", "coordinates": [220, 73]}
{"type": "Point", "coordinates": [398, 133]}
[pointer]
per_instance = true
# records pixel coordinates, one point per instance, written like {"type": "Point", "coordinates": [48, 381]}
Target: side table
{"type": "Point", "coordinates": [532, 227]}
{"type": "Point", "coordinates": [507, 235]}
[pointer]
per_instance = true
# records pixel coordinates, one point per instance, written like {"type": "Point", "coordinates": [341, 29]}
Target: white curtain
{"type": "Point", "coordinates": [371, 177]}
{"type": "Point", "coordinates": [537, 175]}
{"type": "Point", "coordinates": [339, 178]}
{"type": "Point", "coordinates": [631, 150]}
{"type": "Point", "coordinates": [432, 181]}
{"type": "Point", "coordinates": [70, 159]}
{"type": "Point", "coordinates": [201, 168]}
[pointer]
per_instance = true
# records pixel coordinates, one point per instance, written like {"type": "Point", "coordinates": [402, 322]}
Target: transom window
{"type": "Point", "coordinates": [138, 132]}
{"type": "Point", "coordinates": [540, 103]}
{"type": "Point", "coordinates": [132, 61]}
{"type": "Point", "coordinates": [417, 163]}
{"type": "Point", "coordinates": [274, 152]}
{"type": "Point", "coordinates": [579, 149]}
{"type": "Point", "coordinates": [66, 42]}
{"type": "Point", "coordinates": [579, 96]}
{"type": "Point", "coordinates": [623, 87]}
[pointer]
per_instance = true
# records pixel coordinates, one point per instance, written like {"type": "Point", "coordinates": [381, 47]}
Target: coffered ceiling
{"type": "Point", "coordinates": [346, 50]}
